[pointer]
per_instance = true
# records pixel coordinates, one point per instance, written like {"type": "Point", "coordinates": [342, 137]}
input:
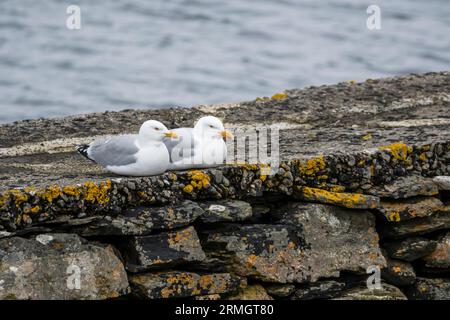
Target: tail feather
{"type": "Point", "coordinates": [83, 150]}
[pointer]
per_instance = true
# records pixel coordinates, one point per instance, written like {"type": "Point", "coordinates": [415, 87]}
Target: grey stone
{"type": "Point", "coordinates": [162, 250]}
{"type": "Point", "coordinates": [406, 209]}
{"type": "Point", "coordinates": [226, 210]}
{"type": "Point", "coordinates": [251, 292]}
{"type": "Point", "coordinates": [406, 187]}
{"type": "Point", "coordinates": [279, 290]}
{"type": "Point", "coordinates": [387, 292]}
{"type": "Point", "coordinates": [440, 257]}
{"type": "Point", "coordinates": [59, 266]}
{"type": "Point", "coordinates": [397, 272]}
{"type": "Point", "coordinates": [143, 220]}
{"type": "Point", "coordinates": [179, 284]}
{"type": "Point", "coordinates": [320, 290]}
{"type": "Point", "coordinates": [410, 249]}
{"type": "Point", "coordinates": [429, 289]}
{"type": "Point", "coordinates": [309, 241]}
{"type": "Point", "coordinates": [442, 182]}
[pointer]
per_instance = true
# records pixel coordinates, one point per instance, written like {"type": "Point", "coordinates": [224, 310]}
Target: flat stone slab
{"type": "Point", "coordinates": [430, 289]}
{"type": "Point", "coordinates": [442, 182]}
{"type": "Point", "coordinates": [440, 257]}
{"type": "Point", "coordinates": [162, 250]}
{"type": "Point", "coordinates": [387, 292]}
{"type": "Point", "coordinates": [178, 284]}
{"type": "Point", "coordinates": [410, 249]}
{"type": "Point", "coordinates": [59, 267]}
{"type": "Point", "coordinates": [401, 210]}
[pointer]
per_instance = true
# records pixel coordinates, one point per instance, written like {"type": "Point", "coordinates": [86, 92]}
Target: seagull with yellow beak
{"type": "Point", "coordinates": [202, 146]}
{"type": "Point", "coordinates": [142, 154]}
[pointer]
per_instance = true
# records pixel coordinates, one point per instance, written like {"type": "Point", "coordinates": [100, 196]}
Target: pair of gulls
{"type": "Point", "coordinates": [156, 149]}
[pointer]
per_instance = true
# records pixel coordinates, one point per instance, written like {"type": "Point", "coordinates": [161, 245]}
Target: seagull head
{"type": "Point", "coordinates": [153, 130]}
{"type": "Point", "coordinates": [212, 128]}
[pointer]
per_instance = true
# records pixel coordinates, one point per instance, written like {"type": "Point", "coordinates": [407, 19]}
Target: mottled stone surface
{"type": "Point", "coordinates": [410, 249]}
{"type": "Point", "coordinates": [440, 257]}
{"type": "Point", "coordinates": [388, 292]}
{"type": "Point", "coordinates": [142, 220]}
{"type": "Point", "coordinates": [416, 226]}
{"type": "Point", "coordinates": [442, 182]}
{"type": "Point", "coordinates": [59, 266]}
{"type": "Point", "coordinates": [406, 187]}
{"type": "Point", "coordinates": [279, 290]}
{"type": "Point", "coordinates": [397, 272]}
{"type": "Point", "coordinates": [429, 289]}
{"type": "Point", "coordinates": [308, 242]}
{"type": "Point", "coordinates": [227, 210]}
{"type": "Point", "coordinates": [336, 238]}
{"type": "Point", "coordinates": [401, 210]}
{"type": "Point", "coordinates": [321, 290]}
{"type": "Point", "coordinates": [164, 249]}
{"type": "Point", "coordinates": [251, 292]}
{"type": "Point", "coordinates": [178, 284]}
{"type": "Point", "coordinates": [346, 200]}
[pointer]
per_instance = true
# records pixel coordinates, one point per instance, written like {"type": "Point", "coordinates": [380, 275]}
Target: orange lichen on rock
{"type": "Point", "coordinates": [398, 150]}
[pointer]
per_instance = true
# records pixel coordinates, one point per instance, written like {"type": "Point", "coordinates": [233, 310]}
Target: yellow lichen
{"type": "Point", "coordinates": [199, 180]}
{"type": "Point", "coordinates": [279, 96]}
{"type": "Point", "coordinates": [72, 191]}
{"type": "Point", "coordinates": [312, 166]}
{"type": "Point", "coordinates": [394, 216]}
{"type": "Point", "coordinates": [367, 137]}
{"type": "Point", "coordinates": [399, 150]}
{"type": "Point", "coordinates": [423, 157]}
{"type": "Point", "coordinates": [188, 188]}
{"type": "Point", "coordinates": [348, 200]}
{"type": "Point", "coordinates": [97, 193]}
{"type": "Point", "coordinates": [49, 193]}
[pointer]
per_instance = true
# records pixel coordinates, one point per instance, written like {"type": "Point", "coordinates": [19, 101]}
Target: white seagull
{"type": "Point", "coordinates": [200, 147]}
{"type": "Point", "coordinates": [142, 154]}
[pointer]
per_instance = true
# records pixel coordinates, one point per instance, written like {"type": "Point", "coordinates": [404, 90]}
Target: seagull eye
{"type": "Point", "coordinates": [211, 126]}
{"type": "Point", "coordinates": [157, 129]}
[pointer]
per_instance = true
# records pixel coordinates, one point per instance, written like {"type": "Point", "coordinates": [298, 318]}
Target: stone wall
{"type": "Point", "coordinates": [373, 195]}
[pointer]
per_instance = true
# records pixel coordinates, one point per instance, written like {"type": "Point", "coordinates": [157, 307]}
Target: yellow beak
{"type": "Point", "coordinates": [226, 134]}
{"type": "Point", "coordinates": [170, 134]}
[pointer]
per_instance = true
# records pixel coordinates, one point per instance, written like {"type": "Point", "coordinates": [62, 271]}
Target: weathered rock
{"type": "Point", "coordinates": [252, 292]}
{"type": "Point", "coordinates": [347, 200]}
{"type": "Point", "coordinates": [397, 272]}
{"type": "Point", "coordinates": [406, 187]}
{"type": "Point", "coordinates": [320, 290]}
{"type": "Point", "coordinates": [440, 257]}
{"type": "Point", "coordinates": [177, 284]}
{"type": "Point", "coordinates": [279, 290]}
{"type": "Point", "coordinates": [308, 242]}
{"type": "Point", "coordinates": [227, 210]}
{"type": "Point", "coordinates": [400, 210]}
{"type": "Point", "coordinates": [208, 297]}
{"type": "Point", "coordinates": [143, 220]}
{"type": "Point", "coordinates": [387, 292]}
{"type": "Point", "coordinates": [418, 226]}
{"type": "Point", "coordinates": [429, 289]}
{"type": "Point", "coordinates": [59, 266]}
{"type": "Point", "coordinates": [410, 249]}
{"type": "Point", "coordinates": [442, 182]}
{"type": "Point", "coordinates": [164, 249]}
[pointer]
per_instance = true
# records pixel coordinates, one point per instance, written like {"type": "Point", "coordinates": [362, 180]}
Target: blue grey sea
{"type": "Point", "coordinates": [163, 53]}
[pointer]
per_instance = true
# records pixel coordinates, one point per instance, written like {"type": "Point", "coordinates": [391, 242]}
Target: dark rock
{"type": "Point", "coordinates": [279, 290]}
{"type": "Point", "coordinates": [401, 210]}
{"type": "Point", "coordinates": [397, 272]}
{"type": "Point", "coordinates": [178, 284]}
{"type": "Point", "coordinates": [406, 187]}
{"type": "Point", "coordinates": [251, 292]}
{"type": "Point", "coordinates": [347, 200]}
{"type": "Point", "coordinates": [410, 249]}
{"type": "Point", "coordinates": [429, 289]}
{"type": "Point", "coordinates": [165, 249]}
{"type": "Point", "coordinates": [226, 210]}
{"type": "Point", "coordinates": [387, 292]}
{"type": "Point", "coordinates": [143, 220]}
{"type": "Point", "coordinates": [308, 242]}
{"type": "Point", "coordinates": [320, 290]}
{"type": "Point", "coordinates": [440, 257]}
{"type": "Point", "coordinates": [442, 182]}
{"type": "Point", "coordinates": [59, 266]}
{"type": "Point", "coordinates": [418, 226]}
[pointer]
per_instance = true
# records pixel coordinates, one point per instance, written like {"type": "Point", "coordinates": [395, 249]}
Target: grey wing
{"type": "Point", "coordinates": [183, 146]}
{"type": "Point", "coordinates": [114, 151]}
